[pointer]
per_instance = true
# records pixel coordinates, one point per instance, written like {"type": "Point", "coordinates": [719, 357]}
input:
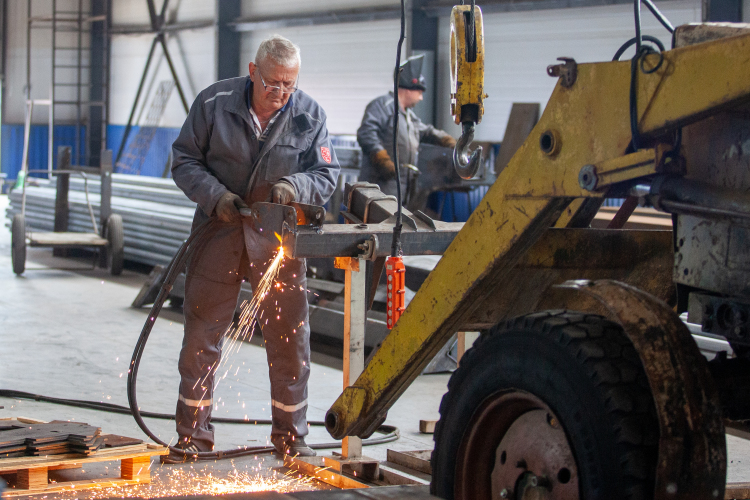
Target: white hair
{"type": "Point", "coordinates": [278, 50]}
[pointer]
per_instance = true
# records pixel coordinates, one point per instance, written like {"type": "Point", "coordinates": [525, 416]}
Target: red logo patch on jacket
{"type": "Point", "coordinates": [326, 153]}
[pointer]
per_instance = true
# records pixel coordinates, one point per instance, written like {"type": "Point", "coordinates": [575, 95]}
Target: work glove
{"type": "Point", "coordinates": [283, 193]}
{"type": "Point", "coordinates": [448, 142]}
{"type": "Point", "coordinates": [228, 207]}
{"type": "Point", "coordinates": [383, 163]}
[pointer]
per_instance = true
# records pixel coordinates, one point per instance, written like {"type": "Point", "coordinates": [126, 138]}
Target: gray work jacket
{"type": "Point", "coordinates": [376, 133]}
{"type": "Point", "coordinates": [217, 150]}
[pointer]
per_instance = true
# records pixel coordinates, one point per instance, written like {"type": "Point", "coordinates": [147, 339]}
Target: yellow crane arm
{"type": "Point", "coordinates": [580, 140]}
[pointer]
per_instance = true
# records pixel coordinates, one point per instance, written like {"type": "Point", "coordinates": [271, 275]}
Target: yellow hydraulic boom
{"type": "Point", "coordinates": [578, 150]}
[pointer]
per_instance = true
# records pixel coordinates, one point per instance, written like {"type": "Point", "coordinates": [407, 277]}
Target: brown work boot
{"type": "Point", "coordinates": [178, 457]}
{"type": "Point", "coordinates": [294, 446]}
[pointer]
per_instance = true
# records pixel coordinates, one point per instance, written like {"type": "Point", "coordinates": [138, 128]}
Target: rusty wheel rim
{"type": "Point", "coordinates": [515, 448]}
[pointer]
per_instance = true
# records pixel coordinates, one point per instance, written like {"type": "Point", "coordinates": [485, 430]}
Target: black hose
{"type": "Point", "coordinates": [391, 432]}
{"type": "Point", "coordinates": [625, 46]}
{"type": "Point", "coordinates": [396, 243]}
{"type": "Point", "coordinates": [195, 240]}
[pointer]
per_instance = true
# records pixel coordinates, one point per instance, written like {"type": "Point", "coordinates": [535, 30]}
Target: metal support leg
{"type": "Point", "coordinates": [354, 336]}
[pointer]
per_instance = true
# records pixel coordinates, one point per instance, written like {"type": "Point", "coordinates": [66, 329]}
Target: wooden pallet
{"type": "Point", "coordinates": [31, 472]}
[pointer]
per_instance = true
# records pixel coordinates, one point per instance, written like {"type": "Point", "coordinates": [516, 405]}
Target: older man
{"type": "Point", "coordinates": [375, 134]}
{"type": "Point", "coordinates": [249, 139]}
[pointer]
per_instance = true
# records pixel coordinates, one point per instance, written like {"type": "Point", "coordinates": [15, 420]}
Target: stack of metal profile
{"type": "Point", "coordinates": [156, 215]}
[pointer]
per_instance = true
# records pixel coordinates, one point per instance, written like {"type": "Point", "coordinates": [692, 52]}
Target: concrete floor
{"type": "Point", "coordinates": [70, 334]}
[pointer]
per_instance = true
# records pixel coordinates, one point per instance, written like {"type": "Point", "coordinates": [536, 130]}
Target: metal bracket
{"type": "Point", "coordinates": [619, 169]}
{"type": "Point", "coordinates": [568, 71]}
{"type": "Point", "coordinates": [309, 215]}
{"type": "Point", "coordinates": [687, 402]}
{"type": "Point", "coordinates": [369, 248]}
{"type": "Point", "coordinates": [426, 219]}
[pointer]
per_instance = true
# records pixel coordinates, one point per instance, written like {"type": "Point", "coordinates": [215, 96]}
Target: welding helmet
{"type": "Point", "coordinates": [410, 74]}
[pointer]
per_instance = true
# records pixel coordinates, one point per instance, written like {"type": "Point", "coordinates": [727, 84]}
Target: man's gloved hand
{"type": "Point", "coordinates": [383, 163]}
{"type": "Point", "coordinates": [283, 193]}
{"type": "Point", "coordinates": [448, 142]}
{"type": "Point", "coordinates": [228, 207]}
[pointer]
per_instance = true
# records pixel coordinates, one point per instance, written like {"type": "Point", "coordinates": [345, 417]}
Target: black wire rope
{"type": "Point", "coordinates": [659, 16]}
{"type": "Point", "coordinates": [637, 15]}
{"type": "Point", "coordinates": [396, 243]}
{"type": "Point", "coordinates": [637, 62]}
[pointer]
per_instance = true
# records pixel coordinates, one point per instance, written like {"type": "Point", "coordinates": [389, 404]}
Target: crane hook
{"type": "Point", "coordinates": [466, 166]}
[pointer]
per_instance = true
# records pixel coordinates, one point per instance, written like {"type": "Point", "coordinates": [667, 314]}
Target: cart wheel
{"type": "Point", "coordinates": [18, 244]}
{"type": "Point", "coordinates": [549, 405]}
{"type": "Point", "coordinates": [115, 250]}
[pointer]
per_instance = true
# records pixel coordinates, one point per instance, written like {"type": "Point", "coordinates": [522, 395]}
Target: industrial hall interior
{"type": "Point", "coordinates": [375, 249]}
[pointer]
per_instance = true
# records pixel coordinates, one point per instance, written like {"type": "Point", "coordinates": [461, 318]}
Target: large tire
{"type": "Point", "coordinates": [18, 244]}
{"type": "Point", "coordinates": [563, 381]}
{"type": "Point", "coordinates": [116, 249]}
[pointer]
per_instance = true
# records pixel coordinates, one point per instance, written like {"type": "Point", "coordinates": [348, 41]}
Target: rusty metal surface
{"type": "Point", "coordinates": [567, 71]}
{"type": "Point", "coordinates": [537, 442]}
{"type": "Point", "coordinates": [690, 34]}
{"type": "Point", "coordinates": [692, 453]}
{"type": "Point", "coordinates": [712, 255]}
{"type": "Point", "coordinates": [717, 149]}
{"type": "Point", "coordinates": [529, 448]}
{"type": "Point", "coordinates": [641, 258]}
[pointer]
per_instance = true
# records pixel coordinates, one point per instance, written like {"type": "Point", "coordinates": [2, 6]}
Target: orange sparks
{"type": "Point", "coordinates": [182, 482]}
{"type": "Point", "coordinates": [244, 327]}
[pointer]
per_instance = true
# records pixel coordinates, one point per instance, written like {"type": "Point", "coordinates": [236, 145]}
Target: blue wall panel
{"type": "Point", "coordinates": [12, 144]}
{"type": "Point", "coordinates": [158, 153]}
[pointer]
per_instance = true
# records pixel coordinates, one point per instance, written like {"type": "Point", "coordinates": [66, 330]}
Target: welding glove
{"type": "Point", "coordinates": [228, 207]}
{"type": "Point", "coordinates": [448, 142]}
{"type": "Point", "coordinates": [383, 164]}
{"type": "Point", "coordinates": [283, 193]}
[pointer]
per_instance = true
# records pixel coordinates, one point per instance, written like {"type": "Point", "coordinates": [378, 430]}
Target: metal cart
{"type": "Point", "coordinates": [109, 241]}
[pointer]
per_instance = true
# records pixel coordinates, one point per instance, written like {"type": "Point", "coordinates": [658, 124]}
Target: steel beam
{"type": "Point", "coordinates": [142, 29]}
{"type": "Point", "coordinates": [316, 19]}
{"type": "Point", "coordinates": [345, 240]}
{"type": "Point", "coordinates": [228, 40]}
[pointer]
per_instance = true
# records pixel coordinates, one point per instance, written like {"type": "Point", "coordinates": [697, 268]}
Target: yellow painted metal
{"type": "Point", "coordinates": [625, 167]}
{"type": "Point", "coordinates": [693, 80]}
{"type": "Point", "coordinates": [591, 120]}
{"type": "Point", "coordinates": [467, 78]}
{"type": "Point", "coordinates": [569, 212]}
